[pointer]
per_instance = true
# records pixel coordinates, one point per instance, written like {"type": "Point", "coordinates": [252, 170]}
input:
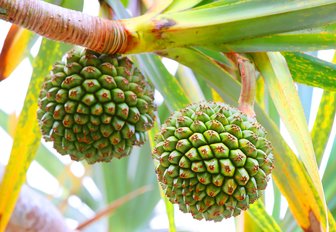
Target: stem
{"type": "Point", "coordinates": [57, 23]}
{"type": "Point", "coordinates": [113, 206]}
{"type": "Point", "coordinates": [217, 27]}
{"type": "Point", "coordinates": [248, 83]}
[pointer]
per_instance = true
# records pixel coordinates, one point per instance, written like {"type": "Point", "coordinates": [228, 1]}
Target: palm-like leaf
{"type": "Point", "coordinates": [195, 34]}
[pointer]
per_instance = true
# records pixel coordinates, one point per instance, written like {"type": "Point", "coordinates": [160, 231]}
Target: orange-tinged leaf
{"type": "Point", "coordinates": [13, 50]}
{"type": "Point", "coordinates": [27, 135]}
{"type": "Point", "coordinates": [294, 181]}
{"type": "Point", "coordinates": [280, 84]}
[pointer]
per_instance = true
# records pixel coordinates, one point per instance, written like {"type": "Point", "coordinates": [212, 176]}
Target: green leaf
{"type": "Point", "coordinates": [216, 26]}
{"type": "Point", "coordinates": [202, 65]}
{"type": "Point", "coordinates": [303, 40]}
{"type": "Point", "coordinates": [49, 161]}
{"type": "Point", "coordinates": [189, 83]}
{"type": "Point", "coordinates": [163, 81]}
{"type": "Point", "coordinates": [328, 180]}
{"type": "Point", "coordinates": [180, 5]}
{"type": "Point", "coordinates": [119, 177]}
{"type": "Point", "coordinates": [247, 223]}
{"type": "Point", "coordinates": [258, 212]}
{"type": "Point", "coordinates": [282, 90]}
{"type": "Point", "coordinates": [312, 71]}
{"type": "Point", "coordinates": [4, 120]}
{"type": "Point", "coordinates": [323, 123]}
{"type": "Point", "coordinates": [220, 57]}
{"type": "Point", "coordinates": [168, 204]}
{"type": "Point", "coordinates": [74, 5]}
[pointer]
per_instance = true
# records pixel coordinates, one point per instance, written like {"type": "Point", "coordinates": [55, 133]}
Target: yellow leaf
{"type": "Point", "coordinates": [13, 121]}
{"type": "Point", "coordinates": [27, 134]}
{"type": "Point", "coordinates": [215, 96]}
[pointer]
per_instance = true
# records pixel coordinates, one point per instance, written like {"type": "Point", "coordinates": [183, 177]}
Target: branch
{"type": "Point", "coordinates": [34, 212]}
{"type": "Point", "coordinates": [248, 85]}
{"type": "Point", "coordinates": [113, 206]}
{"type": "Point", "coordinates": [74, 27]}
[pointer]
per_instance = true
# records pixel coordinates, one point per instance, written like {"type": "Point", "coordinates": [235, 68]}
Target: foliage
{"type": "Point", "coordinates": [203, 40]}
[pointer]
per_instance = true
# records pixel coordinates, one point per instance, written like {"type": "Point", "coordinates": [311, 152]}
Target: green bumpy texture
{"type": "Point", "coordinates": [95, 106]}
{"type": "Point", "coordinates": [212, 160]}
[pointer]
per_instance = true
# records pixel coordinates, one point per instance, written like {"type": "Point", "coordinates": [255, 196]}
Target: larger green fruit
{"type": "Point", "coordinates": [213, 160]}
{"type": "Point", "coordinates": [95, 107]}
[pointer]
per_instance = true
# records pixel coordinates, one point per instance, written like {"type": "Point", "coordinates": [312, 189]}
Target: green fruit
{"type": "Point", "coordinates": [95, 107]}
{"type": "Point", "coordinates": [212, 160]}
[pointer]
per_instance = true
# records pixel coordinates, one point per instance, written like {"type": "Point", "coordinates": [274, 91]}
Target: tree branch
{"type": "Point", "coordinates": [57, 23]}
{"type": "Point", "coordinates": [114, 205]}
{"type": "Point", "coordinates": [34, 212]}
{"type": "Point", "coordinates": [248, 83]}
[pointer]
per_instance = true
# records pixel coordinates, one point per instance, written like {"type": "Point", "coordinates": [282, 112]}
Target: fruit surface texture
{"type": "Point", "coordinates": [95, 106]}
{"type": "Point", "coordinates": [212, 160]}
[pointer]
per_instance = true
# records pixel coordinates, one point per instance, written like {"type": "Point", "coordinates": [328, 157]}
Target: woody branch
{"type": "Point", "coordinates": [57, 23]}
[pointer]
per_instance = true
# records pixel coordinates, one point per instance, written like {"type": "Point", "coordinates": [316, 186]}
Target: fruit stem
{"type": "Point", "coordinates": [114, 205]}
{"type": "Point", "coordinates": [248, 85]}
{"type": "Point", "coordinates": [74, 27]}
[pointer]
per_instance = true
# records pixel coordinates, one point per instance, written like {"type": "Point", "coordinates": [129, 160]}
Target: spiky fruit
{"type": "Point", "coordinates": [95, 106]}
{"type": "Point", "coordinates": [212, 160]}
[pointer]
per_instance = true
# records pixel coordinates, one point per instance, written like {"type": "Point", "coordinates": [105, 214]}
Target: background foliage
{"type": "Point", "coordinates": [288, 81]}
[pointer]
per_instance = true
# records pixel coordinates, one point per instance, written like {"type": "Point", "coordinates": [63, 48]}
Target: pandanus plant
{"type": "Point", "coordinates": [214, 138]}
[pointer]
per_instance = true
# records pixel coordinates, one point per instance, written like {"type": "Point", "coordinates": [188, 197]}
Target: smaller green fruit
{"type": "Point", "coordinates": [95, 107]}
{"type": "Point", "coordinates": [212, 160]}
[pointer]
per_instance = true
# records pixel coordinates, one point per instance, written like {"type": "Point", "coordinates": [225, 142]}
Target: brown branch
{"type": "Point", "coordinates": [34, 212]}
{"type": "Point", "coordinates": [113, 206]}
{"type": "Point", "coordinates": [74, 27]}
{"type": "Point", "coordinates": [248, 83]}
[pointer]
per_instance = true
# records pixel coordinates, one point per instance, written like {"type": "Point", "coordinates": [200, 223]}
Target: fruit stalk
{"type": "Point", "coordinates": [57, 23]}
{"type": "Point", "coordinates": [248, 85]}
{"type": "Point", "coordinates": [113, 206]}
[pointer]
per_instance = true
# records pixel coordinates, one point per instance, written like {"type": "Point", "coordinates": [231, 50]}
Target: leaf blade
{"type": "Point", "coordinates": [13, 50]}
{"type": "Point", "coordinates": [27, 135]}
{"type": "Point", "coordinates": [323, 123]}
{"type": "Point", "coordinates": [311, 71]}
{"type": "Point", "coordinates": [289, 173]}
{"type": "Point", "coordinates": [258, 212]}
{"type": "Point", "coordinates": [281, 87]}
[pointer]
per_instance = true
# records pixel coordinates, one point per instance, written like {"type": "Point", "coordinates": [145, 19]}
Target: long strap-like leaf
{"type": "Point", "coordinates": [278, 79]}
{"type": "Point", "coordinates": [27, 135]}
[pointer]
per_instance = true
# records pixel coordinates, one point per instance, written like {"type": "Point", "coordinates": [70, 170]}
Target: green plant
{"type": "Point", "coordinates": [228, 45]}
